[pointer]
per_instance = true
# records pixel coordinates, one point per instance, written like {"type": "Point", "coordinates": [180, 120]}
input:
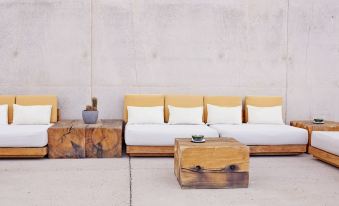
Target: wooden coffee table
{"type": "Point", "coordinates": [75, 139]}
{"type": "Point", "coordinates": [217, 163]}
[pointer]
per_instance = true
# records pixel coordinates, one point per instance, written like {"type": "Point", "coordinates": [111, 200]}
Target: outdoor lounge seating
{"type": "Point", "coordinates": [158, 140]}
{"type": "Point", "coordinates": [325, 146]}
{"type": "Point", "coordinates": [169, 103]}
{"type": "Point", "coordinates": [25, 141]}
{"type": "Point", "coordinates": [265, 138]}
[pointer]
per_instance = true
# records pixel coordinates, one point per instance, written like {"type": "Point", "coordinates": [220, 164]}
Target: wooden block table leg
{"type": "Point", "coordinates": [66, 142]}
{"type": "Point", "coordinates": [103, 143]}
{"type": "Point", "coordinates": [217, 163]}
{"type": "Point", "coordinates": [74, 139]}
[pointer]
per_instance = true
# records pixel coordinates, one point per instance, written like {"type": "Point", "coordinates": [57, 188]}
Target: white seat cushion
{"type": "Point", "coordinates": [23, 135]}
{"type": "Point", "coordinates": [263, 134]}
{"type": "Point", "coordinates": [327, 141]}
{"type": "Point", "coordinates": [163, 135]}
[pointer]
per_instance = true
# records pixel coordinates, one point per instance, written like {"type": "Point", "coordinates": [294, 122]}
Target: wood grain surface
{"type": "Point", "coordinates": [23, 152]}
{"type": "Point", "coordinates": [217, 163]}
{"type": "Point", "coordinates": [325, 156]}
{"type": "Point", "coordinates": [74, 139]}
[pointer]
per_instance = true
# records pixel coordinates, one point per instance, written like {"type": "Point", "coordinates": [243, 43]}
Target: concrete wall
{"type": "Point", "coordinates": [108, 48]}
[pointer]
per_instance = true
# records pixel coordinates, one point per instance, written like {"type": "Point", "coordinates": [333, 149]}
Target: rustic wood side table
{"type": "Point", "coordinates": [75, 139]}
{"type": "Point", "coordinates": [217, 163]}
{"type": "Point", "coordinates": [310, 126]}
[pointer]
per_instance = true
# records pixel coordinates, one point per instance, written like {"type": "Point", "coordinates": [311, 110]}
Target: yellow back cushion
{"type": "Point", "coordinates": [223, 101]}
{"type": "Point", "coordinates": [29, 100]}
{"type": "Point", "coordinates": [139, 100]}
{"type": "Point", "coordinates": [262, 101]}
{"type": "Point", "coordinates": [10, 100]}
{"type": "Point", "coordinates": [182, 101]}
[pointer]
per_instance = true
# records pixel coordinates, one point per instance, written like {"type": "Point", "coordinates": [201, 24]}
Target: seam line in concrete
{"type": "Point", "coordinates": [91, 47]}
{"type": "Point", "coordinates": [287, 57]}
{"type": "Point", "coordinates": [308, 81]}
{"type": "Point", "coordinates": [130, 181]}
{"type": "Point", "coordinates": [133, 13]}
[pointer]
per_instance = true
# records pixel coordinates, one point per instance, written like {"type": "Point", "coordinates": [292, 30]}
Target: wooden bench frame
{"type": "Point", "coordinates": [324, 156]}
{"type": "Point", "coordinates": [156, 151]}
{"type": "Point", "coordinates": [150, 151]}
{"type": "Point", "coordinates": [23, 152]}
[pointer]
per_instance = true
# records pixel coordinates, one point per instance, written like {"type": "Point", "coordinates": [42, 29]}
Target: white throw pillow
{"type": "Point", "coordinates": [37, 114]}
{"type": "Point", "coordinates": [224, 115]}
{"type": "Point", "coordinates": [182, 115]}
{"type": "Point", "coordinates": [145, 115]}
{"type": "Point", "coordinates": [265, 115]}
{"type": "Point", "coordinates": [4, 114]}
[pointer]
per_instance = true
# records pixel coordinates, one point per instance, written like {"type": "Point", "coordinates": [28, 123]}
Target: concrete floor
{"type": "Point", "coordinates": [297, 180]}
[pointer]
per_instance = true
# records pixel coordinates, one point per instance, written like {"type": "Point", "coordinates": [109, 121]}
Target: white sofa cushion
{"type": "Point", "coordinates": [145, 115]}
{"type": "Point", "coordinates": [4, 114]}
{"type": "Point", "coordinates": [32, 115]}
{"type": "Point", "coordinates": [224, 115]}
{"type": "Point", "coordinates": [265, 115]}
{"type": "Point", "coordinates": [262, 134]}
{"type": "Point", "coordinates": [163, 135]}
{"type": "Point", "coordinates": [327, 141]}
{"type": "Point", "coordinates": [23, 135]}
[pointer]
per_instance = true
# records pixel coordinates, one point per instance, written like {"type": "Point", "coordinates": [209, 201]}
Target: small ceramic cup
{"type": "Point", "coordinates": [198, 138]}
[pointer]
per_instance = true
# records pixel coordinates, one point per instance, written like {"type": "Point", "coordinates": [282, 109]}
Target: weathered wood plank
{"type": "Point", "coordinates": [324, 156]}
{"type": "Point", "coordinates": [214, 180]}
{"type": "Point", "coordinates": [21, 152]}
{"type": "Point", "coordinates": [150, 151]}
{"type": "Point", "coordinates": [277, 149]}
{"type": "Point", "coordinates": [254, 150]}
{"type": "Point", "coordinates": [217, 163]}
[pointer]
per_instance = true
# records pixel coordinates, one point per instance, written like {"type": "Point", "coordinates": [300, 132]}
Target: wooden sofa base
{"type": "Point", "coordinates": [159, 151]}
{"type": "Point", "coordinates": [277, 149]}
{"type": "Point", "coordinates": [150, 151]}
{"type": "Point", "coordinates": [324, 156]}
{"type": "Point", "coordinates": [23, 152]}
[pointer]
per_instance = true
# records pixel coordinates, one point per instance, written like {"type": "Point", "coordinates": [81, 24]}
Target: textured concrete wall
{"type": "Point", "coordinates": [45, 48]}
{"type": "Point", "coordinates": [108, 48]}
